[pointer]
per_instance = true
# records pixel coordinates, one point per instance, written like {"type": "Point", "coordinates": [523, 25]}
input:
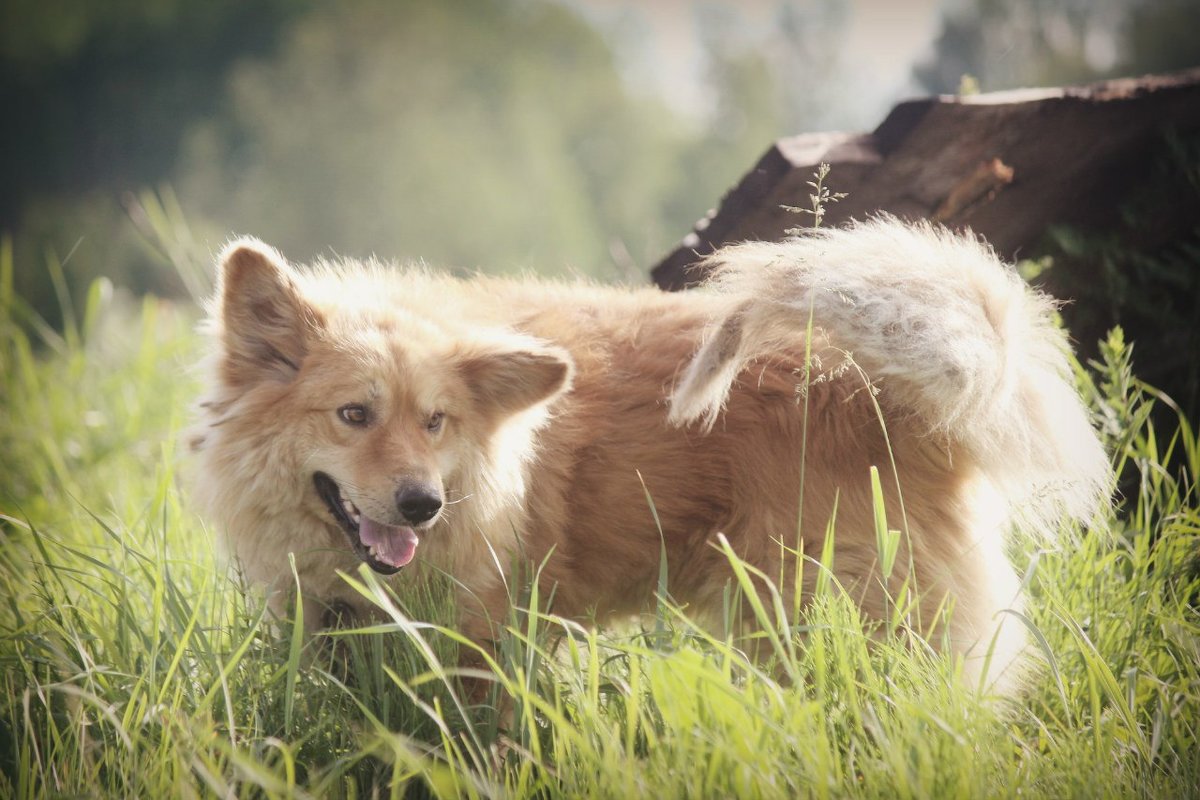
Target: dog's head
{"type": "Point", "coordinates": [363, 406]}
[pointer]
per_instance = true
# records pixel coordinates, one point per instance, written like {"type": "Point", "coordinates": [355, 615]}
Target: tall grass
{"type": "Point", "coordinates": [135, 663]}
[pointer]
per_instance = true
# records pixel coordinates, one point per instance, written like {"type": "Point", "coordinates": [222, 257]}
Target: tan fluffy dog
{"type": "Point", "coordinates": [357, 413]}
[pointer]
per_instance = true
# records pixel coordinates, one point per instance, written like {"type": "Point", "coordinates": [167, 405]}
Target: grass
{"type": "Point", "coordinates": [134, 663]}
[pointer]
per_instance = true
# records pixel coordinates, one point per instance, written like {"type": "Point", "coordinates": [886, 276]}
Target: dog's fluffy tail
{"type": "Point", "coordinates": [946, 331]}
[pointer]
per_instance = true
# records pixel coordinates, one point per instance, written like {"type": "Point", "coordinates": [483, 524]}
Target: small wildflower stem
{"type": "Point", "coordinates": [818, 200]}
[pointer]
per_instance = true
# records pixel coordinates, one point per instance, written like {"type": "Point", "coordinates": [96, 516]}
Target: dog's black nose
{"type": "Point", "coordinates": [417, 503]}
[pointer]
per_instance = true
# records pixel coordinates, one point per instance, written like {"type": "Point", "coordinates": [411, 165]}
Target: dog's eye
{"type": "Point", "coordinates": [353, 414]}
{"type": "Point", "coordinates": [435, 421]}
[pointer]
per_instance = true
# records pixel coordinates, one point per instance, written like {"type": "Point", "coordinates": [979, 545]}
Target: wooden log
{"type": "Point", "coordinates": [1006, 165]}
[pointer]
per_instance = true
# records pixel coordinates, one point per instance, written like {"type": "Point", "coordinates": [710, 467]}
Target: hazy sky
{"type": "Point", "coordinates": [657, 42]}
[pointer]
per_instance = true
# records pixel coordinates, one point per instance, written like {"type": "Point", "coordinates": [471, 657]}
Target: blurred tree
{"type": "Point", "coordinates": [97, 97]}
{"type": "Point", "coordinates": [1012, 43]}
{"type": "Point", "coordinates": [474, 134]}
{"type": "Point", "coordinates": [1161, 35]}
{"type": "Point", "coordinates": [810, 70]}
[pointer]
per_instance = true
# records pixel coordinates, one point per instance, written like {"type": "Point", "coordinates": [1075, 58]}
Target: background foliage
{"type": "Point", "coordinates": [475, 134]}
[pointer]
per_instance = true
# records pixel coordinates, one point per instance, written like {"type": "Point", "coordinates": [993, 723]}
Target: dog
{"type": "Point", "coordinates": [357, 413]}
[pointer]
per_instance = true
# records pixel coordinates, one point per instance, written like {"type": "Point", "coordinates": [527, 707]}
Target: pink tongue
{"type": "Point", "coordinates": [394, 545]}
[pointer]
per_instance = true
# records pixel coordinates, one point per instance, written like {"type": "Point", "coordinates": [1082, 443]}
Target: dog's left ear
{"type": "Point", "coordinates": [266, 323]}
{"type": "Point", "coordinates": [512, 380]}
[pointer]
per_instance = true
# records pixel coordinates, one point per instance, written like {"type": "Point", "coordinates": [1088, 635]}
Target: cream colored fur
{"type": "Point", "coordinates": [560, 401]}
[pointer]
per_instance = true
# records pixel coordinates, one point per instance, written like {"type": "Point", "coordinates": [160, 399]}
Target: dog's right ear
{"type": "Point", "coordinates": [266, 324]}
{"type": "Point", "coordinates": [509, 377]}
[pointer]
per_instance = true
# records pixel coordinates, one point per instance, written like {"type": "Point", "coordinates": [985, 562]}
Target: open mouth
{"type": "Point", "coordinates": [384, 548]}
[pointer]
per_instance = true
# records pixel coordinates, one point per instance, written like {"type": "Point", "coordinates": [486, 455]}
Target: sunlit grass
{"type": "Point", "coordinates": [134, 663]}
